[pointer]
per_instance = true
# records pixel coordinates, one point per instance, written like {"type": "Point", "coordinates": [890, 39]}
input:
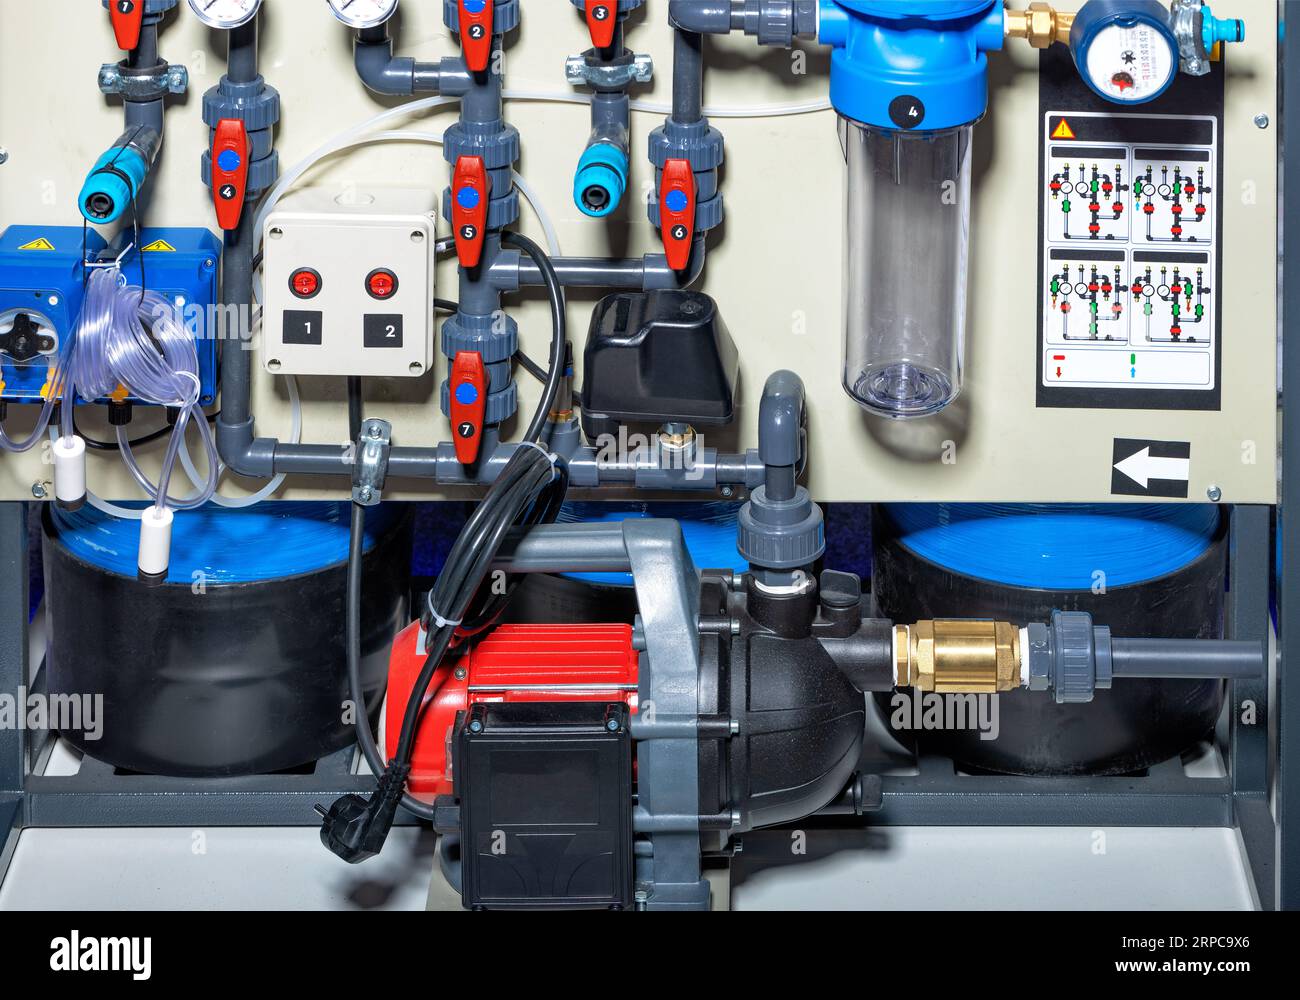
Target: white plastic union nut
{"type": "Point", "coordinates": [70, 470]}
{"type": "Point", "coordinates": [155, 541]}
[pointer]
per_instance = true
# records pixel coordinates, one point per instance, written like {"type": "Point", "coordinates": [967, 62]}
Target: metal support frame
{"type": "Point", "coordinates": [1287, 709]}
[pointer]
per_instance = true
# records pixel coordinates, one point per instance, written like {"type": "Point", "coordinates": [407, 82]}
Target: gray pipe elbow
{"type": "Point", "coordinates": [242, 455]}
{"type": "Point", "coordinates": [781, 420]}
{"type": "Point", "coordinates": [381, 71]}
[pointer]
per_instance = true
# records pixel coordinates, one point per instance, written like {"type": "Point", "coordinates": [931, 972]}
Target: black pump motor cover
{"type": "Point", "coordinates": [658, 357]}
{"type": "Point", "coordinates": [546, 805]}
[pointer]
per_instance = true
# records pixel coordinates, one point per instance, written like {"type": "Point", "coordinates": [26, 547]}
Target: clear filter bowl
{"type": "Point", "coordinates": [908, 238]}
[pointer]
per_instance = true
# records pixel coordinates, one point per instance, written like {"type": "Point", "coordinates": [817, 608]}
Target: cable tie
{"type": "Point", "coordinates": [438, 620]}
{"type": "Point", "coordinates": [546, 453]}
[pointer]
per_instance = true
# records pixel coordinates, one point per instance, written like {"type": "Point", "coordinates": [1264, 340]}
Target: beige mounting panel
{"type": "Point", "coordinates": [776, 264]}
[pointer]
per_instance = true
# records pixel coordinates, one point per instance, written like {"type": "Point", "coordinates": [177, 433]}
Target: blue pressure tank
{"type": "Point", "coordinates": [237, 664]}
{"type": "Point", "coordinates": [1144, 570]}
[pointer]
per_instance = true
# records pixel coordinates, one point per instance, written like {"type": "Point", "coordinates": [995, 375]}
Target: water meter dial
{"type": "Point", "coordinates": [1125, 51]}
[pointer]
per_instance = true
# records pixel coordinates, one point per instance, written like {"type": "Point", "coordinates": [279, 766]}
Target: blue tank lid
{"type": "Point", "coordinates": [267, 542]}
{"type": "Point", "coordinates": [709, 530]}
{"type": "Point", "coordinates": [1057, 546]}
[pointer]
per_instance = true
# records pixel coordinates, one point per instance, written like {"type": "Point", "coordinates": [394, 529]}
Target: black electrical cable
{"type": "Point", "coordinates": [528, 491]}
{"type": "Point", "coordinates": [355, 415]}
{"type": "Point", "coordinates": [139, 442]}
{"type": "Point", "coordinates": [531, 366]}
{"type": "Point", "coordinates": [559, 321]}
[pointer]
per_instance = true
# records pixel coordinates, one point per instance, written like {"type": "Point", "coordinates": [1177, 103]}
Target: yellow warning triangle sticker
{"type": "Point", "coordinates": [38, 244]}
{"type": "Point", "coordinates": [160, 246]}
{"type": "Point", "coordinates": [1063, 131]}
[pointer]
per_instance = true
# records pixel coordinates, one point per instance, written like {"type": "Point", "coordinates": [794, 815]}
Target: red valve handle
{"type": "Point", "coordinates": [469, 393]}
{"type": "Point", "coordinates": [231, 150]}
{"type": "Point", "coordinates": [602, 17]}
{"type": "Point", "coordinates": [128, 18]}
{"type": "Point", "coordinates": [476, 33]}
{"type": "Point", "coordinates": [471, 191]}
{"type": "Point", "coordinates": [678, 194]}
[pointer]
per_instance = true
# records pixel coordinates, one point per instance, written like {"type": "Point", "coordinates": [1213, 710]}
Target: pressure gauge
{"type": "Point", "coordinates": [225, 14]}
{"type": "Point", "coordinates": [363, 13]}
{"type": "Point", "coordinates": [1126, 51]}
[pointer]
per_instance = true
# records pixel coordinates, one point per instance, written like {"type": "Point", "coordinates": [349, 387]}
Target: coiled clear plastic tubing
{"type": "Point", "coordinates": [131, 337]}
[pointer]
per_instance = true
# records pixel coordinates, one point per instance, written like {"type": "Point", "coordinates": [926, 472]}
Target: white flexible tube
{"type": "Point", "coordinates": [271, 488]}
{"type": "Point", "coordinates": [650, 107]}
{"type": "Point", "coordinates": [357, 135]}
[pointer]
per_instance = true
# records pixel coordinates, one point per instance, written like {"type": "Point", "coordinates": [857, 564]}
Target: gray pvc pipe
{"type": "Point", "coordinates": [712, 17]}
{"type": "Point", "coordinates": [1186, 658]}
{"type": "Point", "coordinates": [235, 425]}
{"type": "Point", "coordinates": [565, 548]}
{"type": "Point", "coordinates": [688, 77]}
{"type": "Point", "coordinates": [638, 273]}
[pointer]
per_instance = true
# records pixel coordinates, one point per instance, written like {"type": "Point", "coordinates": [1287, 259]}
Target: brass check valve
{"type": "Point", "coordinates": [951, 656]}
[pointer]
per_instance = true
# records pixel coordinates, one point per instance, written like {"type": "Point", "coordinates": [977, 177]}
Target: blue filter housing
{"type": "Point", "coordinates": [184, 265]}
{"type": "Point", "coordinates": [41, 289]}
{"type": "Point", "coordinates": [1057, 546]}
{"type": "Point", "coordinates": [908, 64]}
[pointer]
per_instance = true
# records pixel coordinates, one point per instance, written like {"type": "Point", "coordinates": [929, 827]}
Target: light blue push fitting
{"type": "Point", "coordinates": [601, 180]}
{"type": "Point", "coordinates": [1220, 29]}
{"type": "Point", "coordinates": [118, 176]}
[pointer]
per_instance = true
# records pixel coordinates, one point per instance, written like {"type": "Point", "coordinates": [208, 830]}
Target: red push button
{"type": "Point", "coordinates": [231, 149]}
{"type": "Point", "coordinates": [469, 392]}
{"type": "Point", "coordinates": [602, 16]}
{"type": "Point", "coordinates": [678, 192]}
{"type": "Point", "coordinates": [471, 189]}
{"type": "Point", "coordinates": [476, 33]}
{"type": "Point", "coordinates": [305, 283]}
{"type": "Point", "coordinates": [128, 17]}
{"type": "Point", "coordinates": [381, 284]}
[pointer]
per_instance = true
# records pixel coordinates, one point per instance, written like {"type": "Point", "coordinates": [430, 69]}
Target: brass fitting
{"type": "Point", "coordinates": [1041, 24]}
{"type": "Point", "coordinates": [950, 656]}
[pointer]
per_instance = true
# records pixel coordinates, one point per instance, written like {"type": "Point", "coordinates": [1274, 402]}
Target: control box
{"type": "Point", "coordinates": [348, 284]}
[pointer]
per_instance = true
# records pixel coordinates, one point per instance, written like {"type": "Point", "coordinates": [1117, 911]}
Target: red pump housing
{"type": "Point", "coordinates": [514, 663]}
